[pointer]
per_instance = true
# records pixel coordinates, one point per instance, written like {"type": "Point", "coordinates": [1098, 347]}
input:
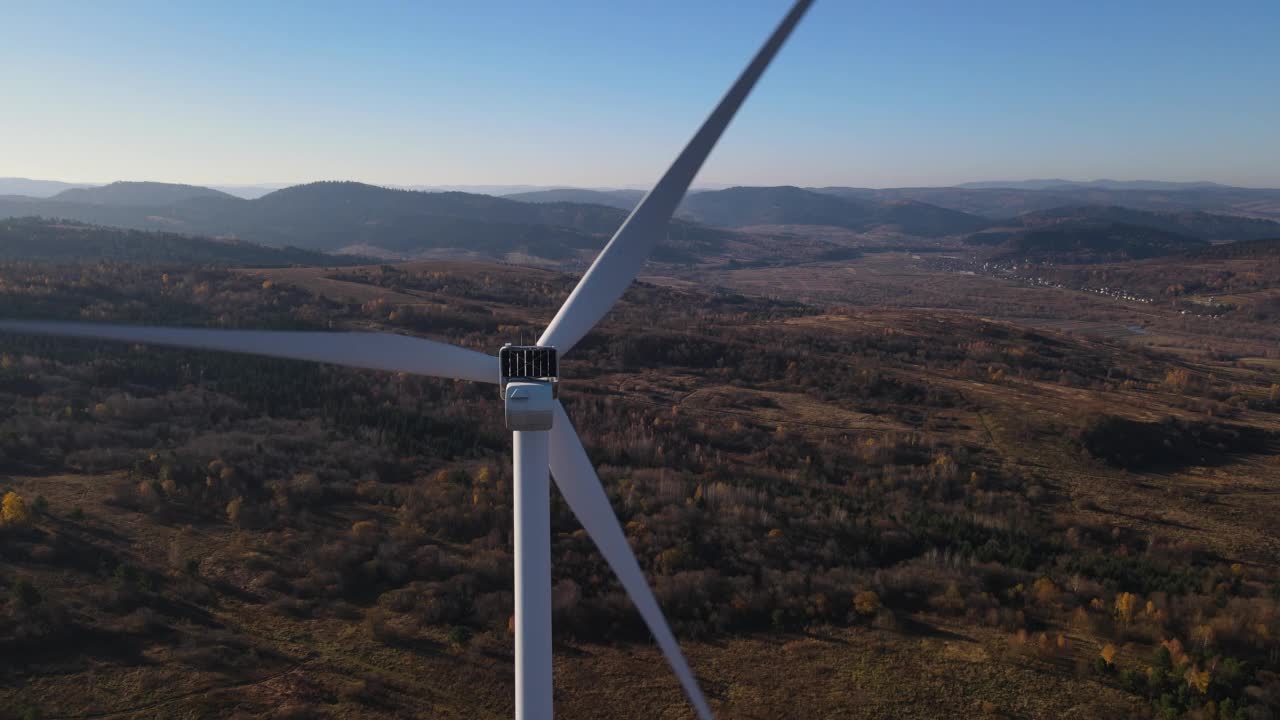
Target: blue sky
{"type": "Point", "coordinates": [603, 93]}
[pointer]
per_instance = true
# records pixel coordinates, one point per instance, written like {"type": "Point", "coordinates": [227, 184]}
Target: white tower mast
{"type": "Point", "coordinates": [530, 403]}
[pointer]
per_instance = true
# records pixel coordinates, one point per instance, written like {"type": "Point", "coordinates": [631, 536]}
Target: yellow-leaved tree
{"type": "Point", "coordinates": [1046, 591]}
{"type": "Point", "coordinates": [1125, 605]}
{"type": "Point", "coordinates": [365, 530]}
{"type": "Point", "coordinates": [13, 510]}
{"type": "Point", "coordinates": [1203, 634]}
{"type": "Point", "coordinates": [866, 602]}
{"type": "Point", "coordinates": [235, 510]}
{"type": "Point", "coordinates": [1199, 679]}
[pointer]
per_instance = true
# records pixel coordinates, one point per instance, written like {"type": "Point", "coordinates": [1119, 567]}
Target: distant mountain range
{"type": "Point", "coordinates": [1089, 184]}
{"type": "Point", "coordinates": [556, 226]}
{"type": "Point", "coordinates": [1000, 203]}
{"type": "Point", "coordinates": [739, 207]}
{"type": "Point", "coordinates": [332, 216]}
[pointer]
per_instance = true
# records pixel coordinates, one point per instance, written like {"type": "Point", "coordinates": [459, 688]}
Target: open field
{"type": "Point", "coordinates": [221, 537]}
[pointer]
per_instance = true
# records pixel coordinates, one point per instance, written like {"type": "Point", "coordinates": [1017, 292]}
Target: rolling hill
{"type": "Point", "coordinates": [1203, 225]}
{"type": "Point", "coordinates": [1094, 233]}
{"type": "Point", "coordinates": [747, 206]}
{"type": "Point", "coordinates": [550, 224]}
{"type": "Point", "coordinates": [137, 193]}
{"type": "Point", "coordinates": [335, 215]}
{"type": "Point", "coordinates": [1245, 249]}
{"type": "Point", "coordinates": [1084, 241]}
{"type": "Point", "coordinates": [36, 239]}
{"type": "Point", "coordinates": [556, 226]}
{"type": "Point", "coordinates": [1005, 199]}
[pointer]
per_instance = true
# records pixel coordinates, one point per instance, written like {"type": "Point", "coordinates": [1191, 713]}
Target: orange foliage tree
{"type": "Point", "coordinates": [1108, 654]}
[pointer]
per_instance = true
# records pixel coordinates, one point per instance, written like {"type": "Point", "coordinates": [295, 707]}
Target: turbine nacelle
{"type": "Point", "coordinates": [530, 385]}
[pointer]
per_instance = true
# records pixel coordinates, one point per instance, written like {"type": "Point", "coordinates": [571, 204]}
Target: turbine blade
{"type": "Point", "coordinates": [580, 486]}
{"type": "Point", "coordinates": [374, 351]}
{"type": "Point", "coordinates": [620, 261]}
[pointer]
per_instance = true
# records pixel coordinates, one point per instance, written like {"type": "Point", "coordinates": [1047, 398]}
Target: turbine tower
{"type": "Point", "coordinates": [544, 438]}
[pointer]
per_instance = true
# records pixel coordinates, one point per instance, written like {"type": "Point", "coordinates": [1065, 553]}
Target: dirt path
{"type": "Point", "coordinates": [122, 713]}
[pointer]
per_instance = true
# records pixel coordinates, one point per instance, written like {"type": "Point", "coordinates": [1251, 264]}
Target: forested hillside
{"type": "Point", "coordinates": [1083, 242]}
{"type": "Point", "coordinates": [744, 206]}
{"type": "Point", "coordinates": [1202, 225]}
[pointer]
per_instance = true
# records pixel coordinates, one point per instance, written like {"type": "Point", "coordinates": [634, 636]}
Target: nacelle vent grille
{"type": "Point", "coordinates": [527, 362]}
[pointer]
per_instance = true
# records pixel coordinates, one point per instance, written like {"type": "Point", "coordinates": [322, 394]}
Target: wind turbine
{"type": "Point", "coordinates": [544, 437]}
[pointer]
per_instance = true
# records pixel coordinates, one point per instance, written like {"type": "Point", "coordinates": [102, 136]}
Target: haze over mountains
{"type": "Point", "coordinates": [1111, 219]}
{"type": "Point", "coordinates": [35, 188]}
{"type": "Point", "coordinates": [621, 199]}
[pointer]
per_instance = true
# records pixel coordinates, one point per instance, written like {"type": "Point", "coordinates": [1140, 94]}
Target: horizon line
{"type": "Point", "coordinates": [606, 188]}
